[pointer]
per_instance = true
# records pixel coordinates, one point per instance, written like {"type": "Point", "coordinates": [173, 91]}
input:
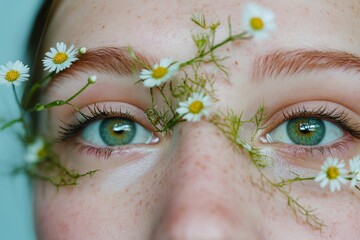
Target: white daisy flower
{"type": "Point", "coordinates": [58, 59]}
{"type": "Point", "coordinates": [14, 73]}
{"type": "Point", "coordinates": [160, 73]}
{"type": "Point", "coordinates": [258, 21]}
{"type": "Point", "coordinates": [332, 172]}
{"type": "Point", "coordinates": [195, 107]}
{"type": "Point", "coordinates": [35, 151]}
{"type": "Point", "coordinates": [354, 170]}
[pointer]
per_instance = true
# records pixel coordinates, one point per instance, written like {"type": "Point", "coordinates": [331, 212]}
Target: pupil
{"type": "Point", "coordinates": [117, 131]}
{"type": "Point", "coordinates": [308, 128]}
{"type": "Point", "coordinates": [120, 129]}
{"type": "Point", "coordinates": [306, 131]}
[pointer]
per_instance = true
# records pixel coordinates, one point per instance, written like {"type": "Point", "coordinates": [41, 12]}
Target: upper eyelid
{"type": "Point", "coordinates": [336, 116]}
{"type": "Point", "coordinates": [335, 113]}
{"type": "Point", "coordinates": [98, 111]}
{"type": "Point", "coordinates": [70, 129]}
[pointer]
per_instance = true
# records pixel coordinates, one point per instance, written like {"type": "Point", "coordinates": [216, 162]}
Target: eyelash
{"type": "Point", "coordinates": [336, 116]}
{"type": "Point", "coordinates": [70, 130]}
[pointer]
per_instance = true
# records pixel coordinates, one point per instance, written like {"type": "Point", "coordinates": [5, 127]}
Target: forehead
{"type": "Point", "coordinates": [165, 26]}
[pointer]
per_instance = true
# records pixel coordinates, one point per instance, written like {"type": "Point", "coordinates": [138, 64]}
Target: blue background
{"type": "Point", "coordinates": [16, 206]}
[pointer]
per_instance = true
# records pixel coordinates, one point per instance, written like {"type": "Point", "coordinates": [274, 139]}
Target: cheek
{"type": "Point", "coordinates": [67, 215]}
{"type": "Point", "coordinates": [92, 211]}
{"type": "Point", "coordinates": [82, 213]}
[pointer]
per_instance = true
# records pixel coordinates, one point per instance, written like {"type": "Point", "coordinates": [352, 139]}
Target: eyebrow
{"type": "Point", "coordinates": [118, 61]}
{"type": "Point", "coordinates": [281, 62]}
{"type": "Point", "coordinates": [110, 60]}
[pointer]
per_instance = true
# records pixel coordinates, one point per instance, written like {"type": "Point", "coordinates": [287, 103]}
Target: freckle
{"type": "Point", "coordinates": [69, 190]}
{"type": "Point", "coordinates": [127, 190]}
{"type": "Point", "coordinates": [140, 203]}
{"type": "Point", "coordinates": [232, 166]}
{"type": "Point", "coordinates": [155, 176]}
{"type": "Point", "coordinates": [236, 63]}
{"type": "Point", "coordinates": [64, 227]}
{"type": "Point", "coordinates": [198, 164]}
{"type": "Point", "coordinates": [103, 26]}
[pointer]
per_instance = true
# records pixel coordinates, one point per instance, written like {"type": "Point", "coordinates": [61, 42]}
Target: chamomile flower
{"type": "Point", "coordinates": [58, 59]}
{"type": "Point", "coordinates": [258, 21]}
{"type": "Point", "coordinates": [35, 151]}
{"type": "Point", "coordinates": [160, 73]}
{"type": "Point", "coordinates": [332, 172]}
{"type": "Point", "coordinates": [14, 73]}
{"type": "Point", "coordinates": [195, 107]}
{"type": "Point", "coordinates": [354, 170]}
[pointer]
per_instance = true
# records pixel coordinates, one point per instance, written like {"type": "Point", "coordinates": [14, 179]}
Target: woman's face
{"type": "Point", "coordinates": [191, 184]}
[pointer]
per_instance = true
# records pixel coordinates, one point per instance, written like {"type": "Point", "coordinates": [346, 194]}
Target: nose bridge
{"type": "Point", "coordinates": [204, 158]}
{"type": "Point", "coordinates": [204, 201]}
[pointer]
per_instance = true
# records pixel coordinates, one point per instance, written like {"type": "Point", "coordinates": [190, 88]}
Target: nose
{"type": "Point", "coordinates": [209, 194]}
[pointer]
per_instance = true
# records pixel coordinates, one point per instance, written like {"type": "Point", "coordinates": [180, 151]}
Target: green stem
{"type": "Point", "coordinates": [57, 103]}
{"type": "Point", "coordinates": [35, 87]}
{"type": "Point", "coordinates": [10, 123]}
{"type": "Point", "coordinates": [289, 181]}
{"type": "Point", "coordinates": [78, 93]}
{"type": "Point", "coordinates": [17, 97]}
{"type": "Point", "coordinates": [165, 99]}
{"type": "Point", "coordinates": [229, 39]}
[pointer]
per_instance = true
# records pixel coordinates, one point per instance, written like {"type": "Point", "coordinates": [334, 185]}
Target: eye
{"type": "Point", "coordinates": [115, 132]}
{"type": "Point", "coordinates": [306, 131]}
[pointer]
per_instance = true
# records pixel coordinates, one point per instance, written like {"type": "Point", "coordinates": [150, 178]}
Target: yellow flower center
{"type": "Point", "coordinates": [196, 106]}
{"type": "Point", "coordinates": [332, 172]}
{"type": "Point", "coordinates": [159, 72]}
{"type": "Point", "coordinates": [257, 23]}
{"type": "Point", "coordinates": [12, 75]}
{"type": "Point", "coordinates": [60, 57]}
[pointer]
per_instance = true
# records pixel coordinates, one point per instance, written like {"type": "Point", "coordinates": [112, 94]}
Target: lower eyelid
{"type": "Point", "coordinates": [313, 156]}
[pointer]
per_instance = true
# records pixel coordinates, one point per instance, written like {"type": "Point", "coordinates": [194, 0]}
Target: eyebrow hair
{"type": "Point", "coordinates": [113, 60]}
{"type": "Point", "coordinates": [281, 62]}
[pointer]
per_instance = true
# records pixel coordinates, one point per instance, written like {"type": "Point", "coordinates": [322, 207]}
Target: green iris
{"type": "Point", "coordinates": [117, 131]}
{"type": "Point", "coordinates": [306, 131]}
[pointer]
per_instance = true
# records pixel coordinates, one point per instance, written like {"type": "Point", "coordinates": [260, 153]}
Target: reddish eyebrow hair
{"type": "Point", "coordinates": [113, 60]}
{"type": "Point", "coordinates": [297, 61]}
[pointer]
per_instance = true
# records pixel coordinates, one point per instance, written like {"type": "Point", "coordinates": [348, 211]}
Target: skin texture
{"type": "Point", "coordinates": [191, 184]}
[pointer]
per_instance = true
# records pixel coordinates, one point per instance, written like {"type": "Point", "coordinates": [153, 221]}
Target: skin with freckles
{"type": "Point", "coordinates": [191, 184]}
